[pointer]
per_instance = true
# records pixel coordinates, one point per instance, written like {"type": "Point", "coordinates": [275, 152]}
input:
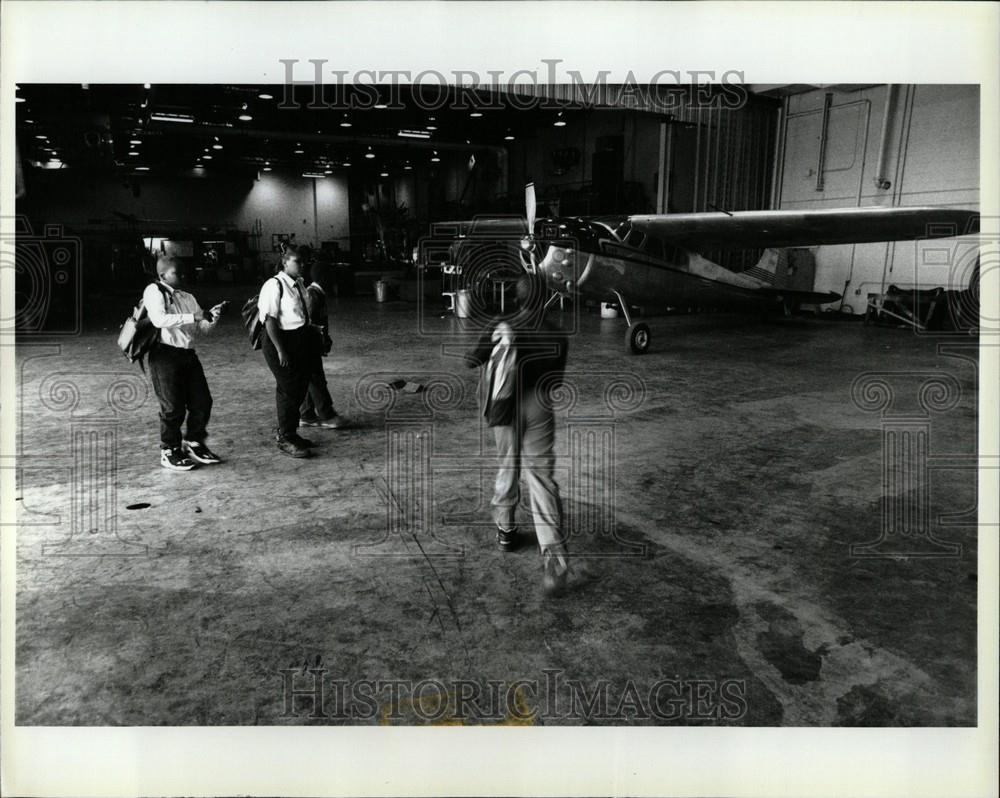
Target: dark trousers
{"type": "Point", "coordinates": [180, 385]}
{"type": "Point", "coordinates": [318, 403]}
{"type": "Point", "coordinates": [291, 381]}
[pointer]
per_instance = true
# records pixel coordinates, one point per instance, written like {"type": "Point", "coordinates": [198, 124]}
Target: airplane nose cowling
{"type": "Point", "coordinates": [559, 268]}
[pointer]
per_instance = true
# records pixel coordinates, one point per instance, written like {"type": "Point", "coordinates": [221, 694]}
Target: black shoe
{"type": "Point", "coordinates": [176, 460]}
{"type": "Point", "coordinates": [507, 538]}
{"type": "Point", "coordinates": [305, 443]}
{"type": "Point", "coordinates": [200, 453]}
{"type": "Point", "coordinates": [555, 573]}
{"type": "Point", "coordinates": [292, 448]}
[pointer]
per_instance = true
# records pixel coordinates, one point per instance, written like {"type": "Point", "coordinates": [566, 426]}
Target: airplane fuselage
{"type": "Point", "coordinates": [601, 260]}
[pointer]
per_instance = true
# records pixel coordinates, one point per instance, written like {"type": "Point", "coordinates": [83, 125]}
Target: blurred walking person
{"type": "Point", "coordinates": [524, 358]}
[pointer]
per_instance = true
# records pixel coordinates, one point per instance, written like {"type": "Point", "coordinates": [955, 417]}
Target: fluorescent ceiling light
{"type": "Point", "coordinates": [265, 96]}
{"type": "Point", "coordinates": [245, 117]}
{"type": "Point", "coordinates": [142, 169]}
{"type": "Point", "coordinates": [161, 117]}
{"type": "Point", "coordinates": [414, 134]}
{"type": "Point", "coordinates": [313, 174]}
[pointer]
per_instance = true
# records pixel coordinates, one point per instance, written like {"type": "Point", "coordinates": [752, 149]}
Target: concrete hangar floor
{"type": "Point", "coordinates": [721, 493]}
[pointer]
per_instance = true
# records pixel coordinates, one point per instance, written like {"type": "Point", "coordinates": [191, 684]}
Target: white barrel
{"type": "Point", "coordinates": [608, 310]}
{"type": "Point", "coordinates": [463, 303]}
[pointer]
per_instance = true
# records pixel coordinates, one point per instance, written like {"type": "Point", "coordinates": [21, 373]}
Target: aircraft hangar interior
{"type": "Point", "coordinates": [575, 404]}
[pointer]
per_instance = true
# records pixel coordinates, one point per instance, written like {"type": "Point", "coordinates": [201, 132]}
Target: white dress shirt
{"type": "Point", "coordinates": [287, 306]}
{"type": "Point", "coordinates": [176, 318]}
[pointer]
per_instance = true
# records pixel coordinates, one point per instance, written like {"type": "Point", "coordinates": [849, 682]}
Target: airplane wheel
{"type": "Point", "coordinates": [638, 338]}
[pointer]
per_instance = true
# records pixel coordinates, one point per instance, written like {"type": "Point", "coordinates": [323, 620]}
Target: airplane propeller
{"type": "Point", "coordinates": [528, 243]}
{"type": "Point", "coordinates": [530, 207]}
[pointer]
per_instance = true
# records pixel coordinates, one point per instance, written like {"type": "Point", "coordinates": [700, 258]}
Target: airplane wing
{"type": "Point", "coordinates": [753, 229]}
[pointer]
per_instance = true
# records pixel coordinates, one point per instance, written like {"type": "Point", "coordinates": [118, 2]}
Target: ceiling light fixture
{"type": "Point", "coordinates": [381, 106]}
{"type": "Point", "coordinates": [245, 118]}
{"type": "Point", "coordinates": [135, 141]}
{"type": "Point", "coordinates": [345, 122]}
{"type": "Point", "coordinates": [435, 158]}
{"type": "Point", "coordinates": [413, 134]}
{"type": "Point", "coordinates": [476, 114]}
{"type": "Point", "coordinates": [318, 175]}
{"type": "Point", "coordinates": [560, 122]}
{"type": "Point", "coordinates": [133, 152]}
{"type": "Point", "coordinates": [159, 117]}
{"type": "Point", "coordinates": [265, 96]}
{"type": "Point", "coordinates": [142, 169]}
{"type": "Point", "coordinates": [266, 169]}
{"type": "Point", "coordinates": [207, 157]}
{"type": "Point", "coordinates": [216, 146]}
{"type": "Point", "coordinates": [369, 154]}
{"type": "Point", "coordinates": [298, 152]}
{"type": "Point", "coordinates": [431, 127]}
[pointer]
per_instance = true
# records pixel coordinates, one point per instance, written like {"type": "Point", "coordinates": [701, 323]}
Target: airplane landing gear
{"type": "Point", "coordinates": [637, 337]}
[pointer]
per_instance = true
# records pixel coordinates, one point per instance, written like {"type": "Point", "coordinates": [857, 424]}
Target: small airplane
{"type": "Point", "coordinates": [654, 259]}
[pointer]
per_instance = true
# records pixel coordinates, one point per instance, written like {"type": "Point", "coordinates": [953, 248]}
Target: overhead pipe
{"type": "Point", "coordinates": [881, 182]}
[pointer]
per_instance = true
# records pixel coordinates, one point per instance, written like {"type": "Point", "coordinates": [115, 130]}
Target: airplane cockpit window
{"type": "Point", "coordinates": [635, 239]}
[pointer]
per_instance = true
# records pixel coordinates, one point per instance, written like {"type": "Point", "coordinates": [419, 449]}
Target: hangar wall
{"type": "Point", "coordinates": [931, 158]}
{"type": "Point", "coordinates": [531, 160]}
{"type": "Point", "coordinates": [283, 203]}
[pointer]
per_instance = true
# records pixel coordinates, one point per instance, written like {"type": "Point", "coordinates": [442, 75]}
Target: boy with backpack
{"type": "Point", "coordinates": [177, 375]}
{"type": "Point", "coordinates": [288, 341]}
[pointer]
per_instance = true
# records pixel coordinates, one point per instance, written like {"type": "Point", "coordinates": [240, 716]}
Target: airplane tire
{"type": "Point", "coordinates": [638, 338]}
